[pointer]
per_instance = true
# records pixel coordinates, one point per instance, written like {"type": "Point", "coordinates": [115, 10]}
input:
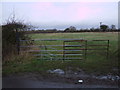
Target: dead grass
{"type": "Point", "coordinates": [21, 58]}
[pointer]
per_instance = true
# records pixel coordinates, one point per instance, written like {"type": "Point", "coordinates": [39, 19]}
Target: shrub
{"type": "Point", "coordinates": [10, 31]}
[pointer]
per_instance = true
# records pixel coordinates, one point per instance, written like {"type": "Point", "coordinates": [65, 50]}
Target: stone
{"type": "Point", "coordinates": [56, 71]}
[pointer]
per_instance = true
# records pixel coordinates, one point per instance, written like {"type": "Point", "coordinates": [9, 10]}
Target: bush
{"type": "Point", "coordinates": [10, 31]}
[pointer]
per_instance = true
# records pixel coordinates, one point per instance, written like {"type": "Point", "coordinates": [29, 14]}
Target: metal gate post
{"type": "Point", "coordinates": [108, 50]}
{"type": "Point", "coordinates": [63, 50]}
{"type": "Point", "coordinates": [85, 49]}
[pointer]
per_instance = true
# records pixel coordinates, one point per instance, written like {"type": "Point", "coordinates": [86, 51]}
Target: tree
{"type": "Point", "coordinates": [104, 27]}
{"type": "Point", "coordinates": [70, 29]}
{"type": "Point", "coordinates": [113, 27]}
{"type": "Point", "coordinates": [66, 30]}
{"type": "Point", "coordinates": [92, 29]}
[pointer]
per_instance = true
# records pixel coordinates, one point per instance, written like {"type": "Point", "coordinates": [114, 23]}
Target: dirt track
{"type": "Point", "coordinates": [36, 81]}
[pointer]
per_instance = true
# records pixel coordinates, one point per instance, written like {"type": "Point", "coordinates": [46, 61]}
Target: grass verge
{"type": "Point", "coordinates": [95, 63]}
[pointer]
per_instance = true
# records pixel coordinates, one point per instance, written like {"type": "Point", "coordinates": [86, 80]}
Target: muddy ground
{"type": "Point", "coordinates": [36, 80]}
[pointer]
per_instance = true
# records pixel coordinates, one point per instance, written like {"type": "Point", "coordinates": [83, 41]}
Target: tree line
{"type": "Point", "coordinates": [102, 28]}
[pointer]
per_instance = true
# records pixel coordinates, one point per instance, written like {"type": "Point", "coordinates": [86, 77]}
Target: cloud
{"type": "Point", "coordinates": [53, 13]}
{"type": "Point", "coordinates": [59, 0]}
{"type": "Point", "coordinates": [64, 12]}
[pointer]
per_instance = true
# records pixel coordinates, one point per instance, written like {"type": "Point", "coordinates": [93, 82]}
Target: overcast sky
{"type": "Point", "coordinates": [61, 15]}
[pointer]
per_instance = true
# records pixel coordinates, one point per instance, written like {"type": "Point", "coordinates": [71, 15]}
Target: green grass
{"type": "Point", "coordinates": [94, 63]}
{"type": "Point", "coordinates": [112, 36]}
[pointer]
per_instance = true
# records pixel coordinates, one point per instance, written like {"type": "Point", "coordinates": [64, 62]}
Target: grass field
{"type": "Point", "coordinates": [112, 36]}
{"type": "Point", "coordinates": [94, 63]}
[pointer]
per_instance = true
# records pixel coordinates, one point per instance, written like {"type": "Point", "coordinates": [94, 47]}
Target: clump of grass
{"type": "Point", "coordinates": [16, 63]}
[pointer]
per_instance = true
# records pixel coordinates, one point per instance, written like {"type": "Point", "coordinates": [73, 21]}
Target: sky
{"type": "Point", "coordinates": [61, 15]}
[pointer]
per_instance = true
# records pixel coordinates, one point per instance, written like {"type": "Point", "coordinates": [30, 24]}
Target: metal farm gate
{"type": "Point", "coordinates": [74, 50]}
{"type": "Point", "coordinates": [64, 49]}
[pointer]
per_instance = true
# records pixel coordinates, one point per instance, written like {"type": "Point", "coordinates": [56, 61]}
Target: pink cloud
{"type": "Point", "coordinates": [84, 13]}
{"type": "Point", "coordinates": [46, 9]}
{"type": "Point", "coordinates": [69, 12]}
